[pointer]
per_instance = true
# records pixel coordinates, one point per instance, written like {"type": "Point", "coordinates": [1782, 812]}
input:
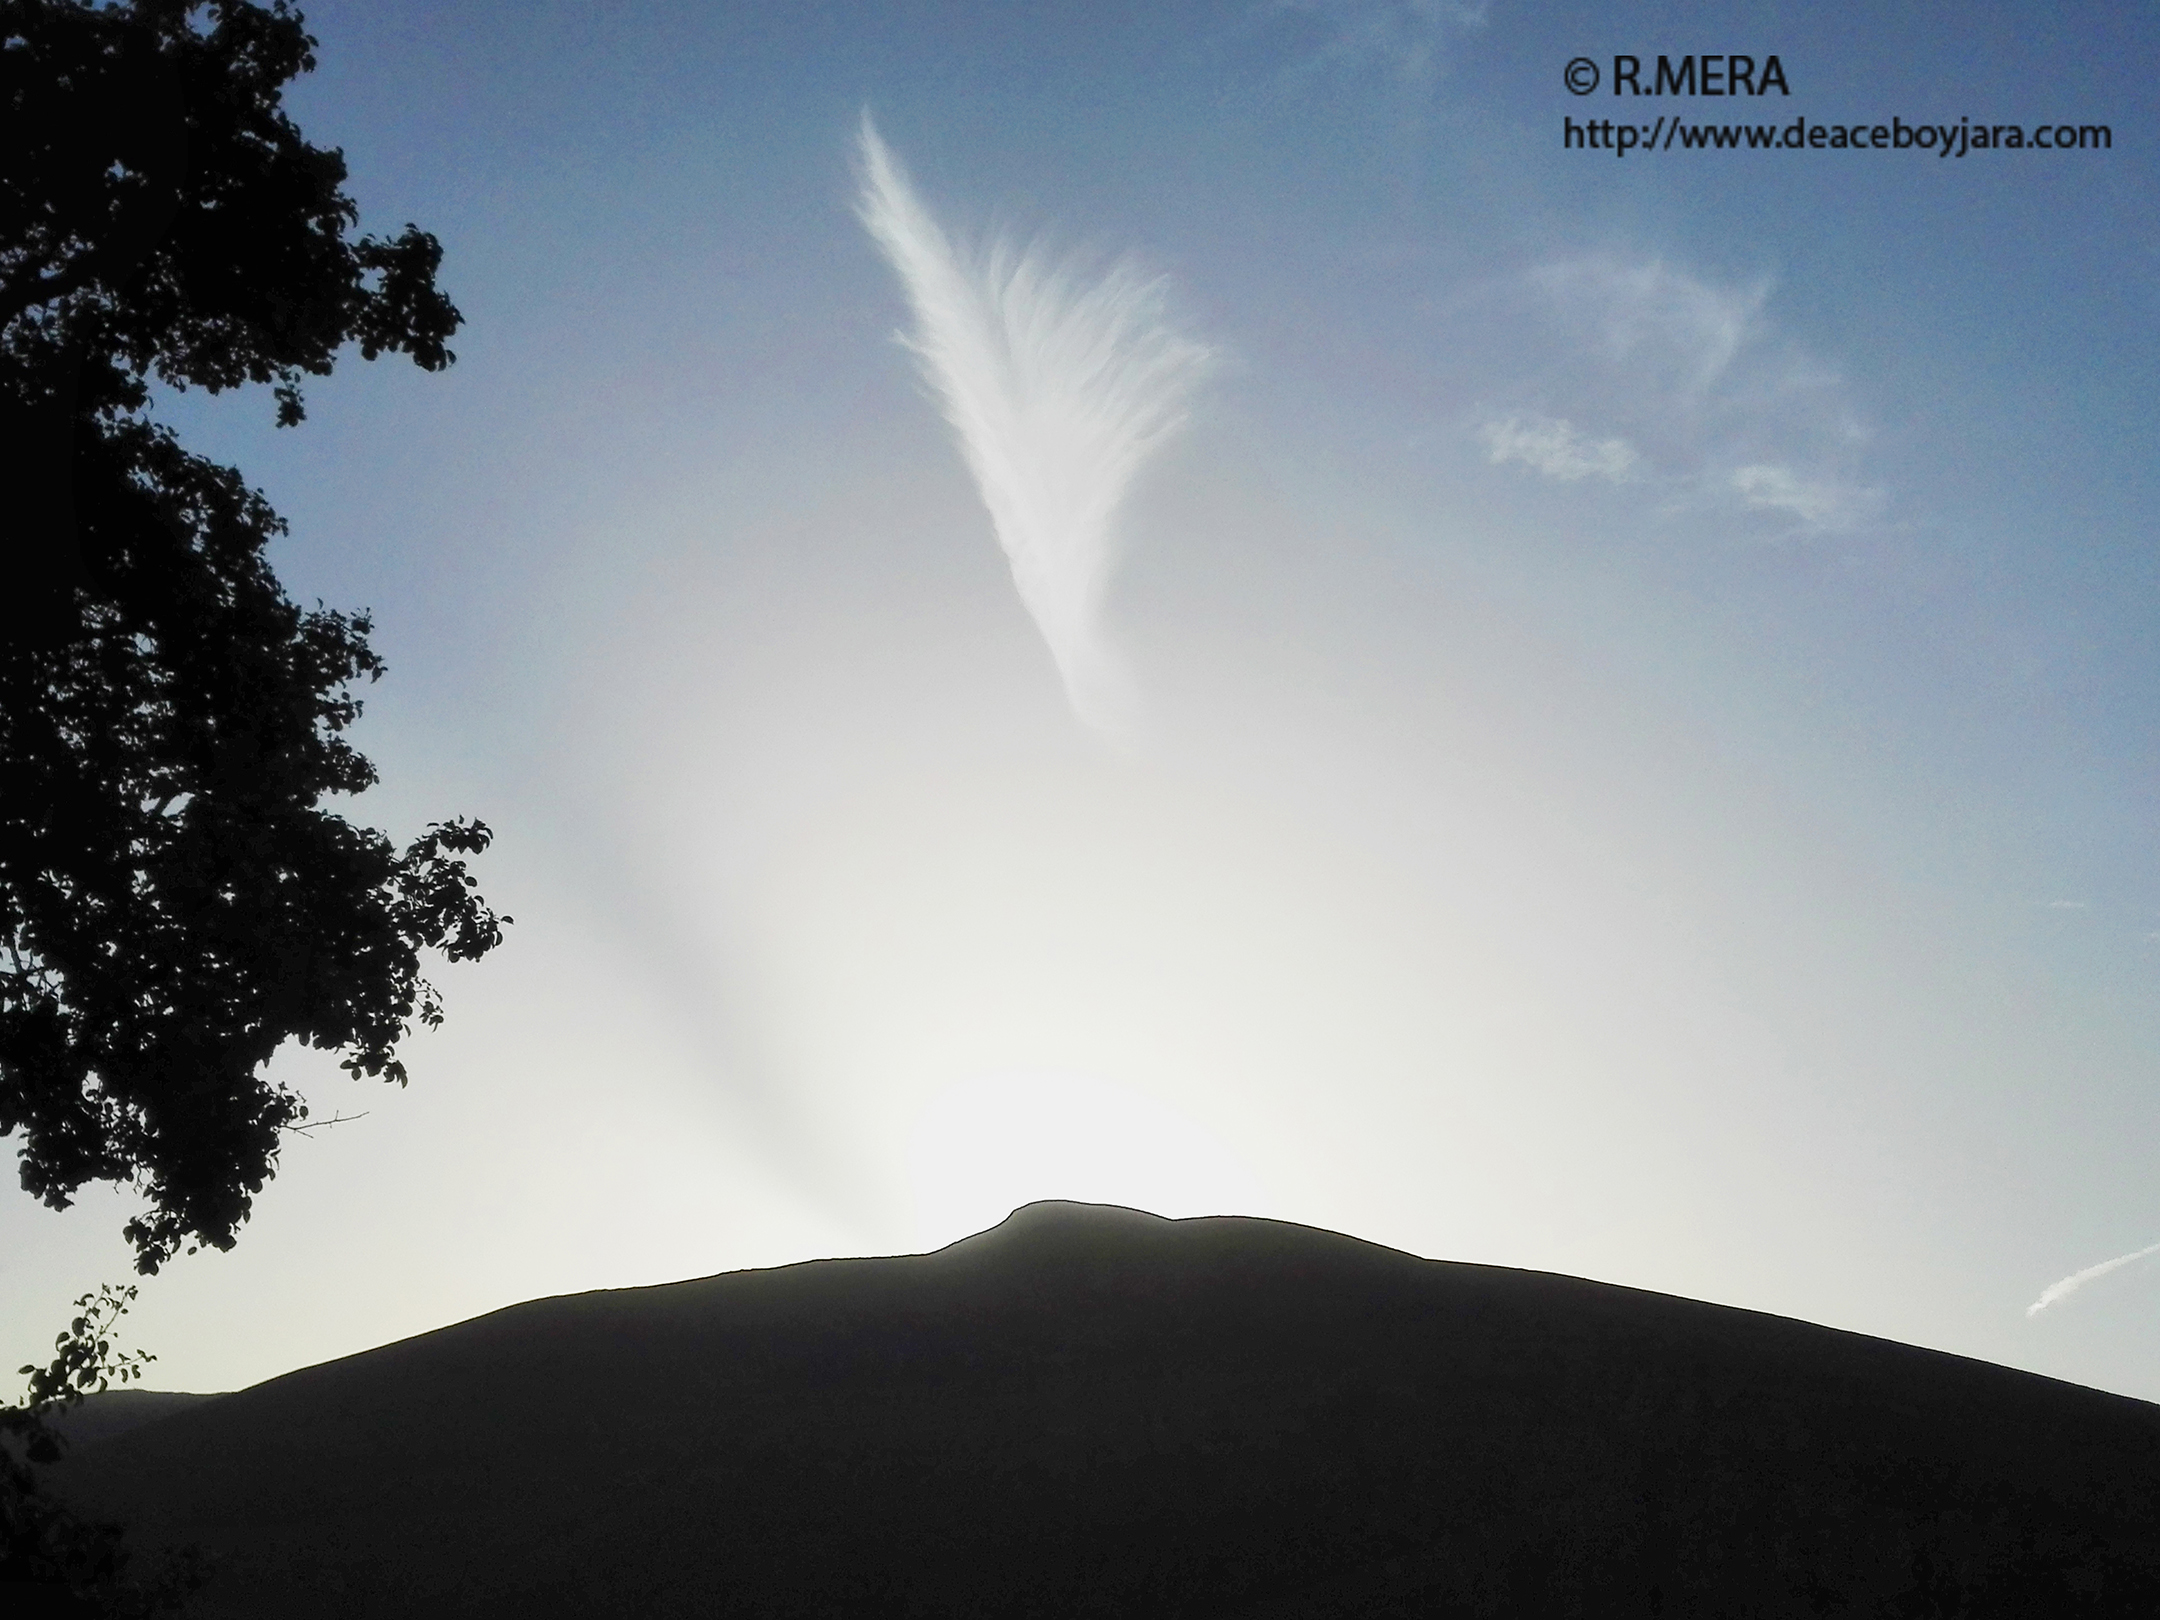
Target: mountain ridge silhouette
{"type": "Point", "coordinates": [1088, 1410]}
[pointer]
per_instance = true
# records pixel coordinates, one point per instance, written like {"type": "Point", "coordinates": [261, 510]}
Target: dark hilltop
{"type": "Point", "coordinates": [1088, 1411]}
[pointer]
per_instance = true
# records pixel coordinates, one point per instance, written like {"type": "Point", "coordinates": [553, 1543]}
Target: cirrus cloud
{"type": "Point", "coordinates": [1556, 448]}
{"type": "Point", "coordinates": [1059, 386]}
{"type": "Point", "coordinates": [1681, 384]}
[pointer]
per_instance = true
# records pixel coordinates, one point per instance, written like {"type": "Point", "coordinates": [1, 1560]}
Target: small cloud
{"type": "Point", "coordinates": [1817, 503]}
{"type": "Point", "coordinates": [1662, 325]}
{"type": "Point", "coordinates": [2068, 905]}
{"type": "Point", "coordinates": [1406, 37]}
{"type": "Point", "coordinates": [2057, 1291]}
{"type": "Point", "coordinates": [1684, 385]}
{"type": "Point", "coordinates": [1557, 449]}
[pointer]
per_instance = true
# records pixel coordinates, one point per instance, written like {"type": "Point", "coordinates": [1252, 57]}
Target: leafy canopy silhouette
{"type": "Point", "coordinates": [175, 902]}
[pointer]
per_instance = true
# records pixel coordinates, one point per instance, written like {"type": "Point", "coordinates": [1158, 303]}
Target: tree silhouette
{"type": "Point", "coordinates": [175, 902]}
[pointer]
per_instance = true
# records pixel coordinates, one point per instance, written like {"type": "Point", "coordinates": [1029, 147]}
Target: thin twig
{"type": "Point", "coordinates": [334, 1119]}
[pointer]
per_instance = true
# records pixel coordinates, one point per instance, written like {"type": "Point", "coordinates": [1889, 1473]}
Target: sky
{"type": "Point", "coordinates": [1186, 606]}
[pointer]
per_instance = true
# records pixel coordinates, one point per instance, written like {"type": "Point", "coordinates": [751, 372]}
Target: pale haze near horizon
{"type": "Point", "coordinates": [1640, 754]}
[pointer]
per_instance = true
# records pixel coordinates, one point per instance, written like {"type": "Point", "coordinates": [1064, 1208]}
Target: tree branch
{"type": "Point", "coordinates": [48, 286]}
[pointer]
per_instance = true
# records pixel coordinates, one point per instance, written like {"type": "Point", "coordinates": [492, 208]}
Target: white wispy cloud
{"type": "Point", "coordinates": [1059, 384]}
{"type": "Point", "coordinates": [1818, 503]}
{"type": "Point", "coordinates": [1406, 37]}
{"type": "Point", "coordinates": [2054, 1293]}
{"type": "Point", "coordinates": [1715, 409]}
{"type": "Point", "coordinates": [1673, 332]}
{"type": "Point", "coordinates": [1556, 448]}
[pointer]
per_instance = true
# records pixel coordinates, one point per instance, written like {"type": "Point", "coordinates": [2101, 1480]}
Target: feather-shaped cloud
{"type": "Point", "coordinates": [1058, 385]}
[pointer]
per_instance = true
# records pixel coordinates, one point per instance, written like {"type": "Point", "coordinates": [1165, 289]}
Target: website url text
{"type": "Point", "coordinates": [1804, 134]}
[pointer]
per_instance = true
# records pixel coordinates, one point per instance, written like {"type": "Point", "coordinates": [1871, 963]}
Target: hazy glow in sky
{"type": "Point", "coordinates": [989, 1144]}
{"type": "Point", "coordinates": [1634, 710]}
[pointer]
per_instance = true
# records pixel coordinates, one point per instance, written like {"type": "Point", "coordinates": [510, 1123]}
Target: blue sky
{"type": "Point", "coordinates": [1642, 754]}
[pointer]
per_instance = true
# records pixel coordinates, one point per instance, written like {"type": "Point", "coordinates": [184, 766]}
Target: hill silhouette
{"type": "Point", "coordinates": [1090, 1411]}
{"type": "Point", "coordinates": [115, 1411]}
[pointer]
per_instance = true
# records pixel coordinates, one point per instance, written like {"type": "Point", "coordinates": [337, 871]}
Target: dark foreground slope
{"type": "Point", "coordinates": [1092, 1412]}
{"type": "Point", "coordinates": [115, 1411]}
